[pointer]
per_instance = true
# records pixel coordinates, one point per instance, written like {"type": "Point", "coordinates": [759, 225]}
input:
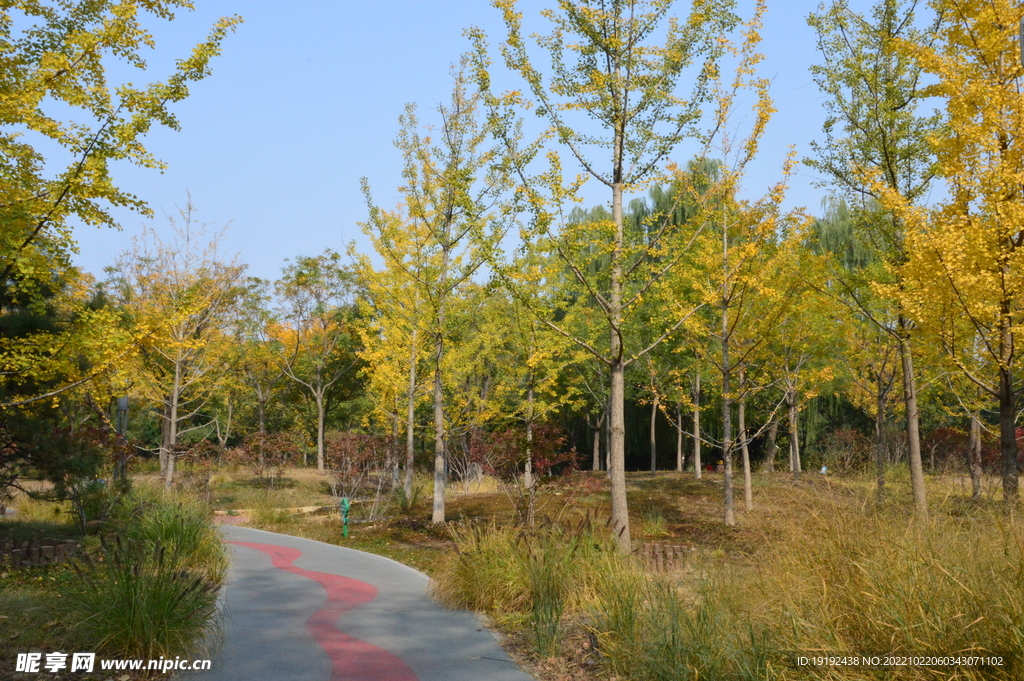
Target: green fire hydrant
{"type": "Point", "coordinates": [343, 507]}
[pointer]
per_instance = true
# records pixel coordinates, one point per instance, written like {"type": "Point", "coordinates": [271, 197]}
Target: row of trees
{"type": "Point", "coordinates": [496, 302]}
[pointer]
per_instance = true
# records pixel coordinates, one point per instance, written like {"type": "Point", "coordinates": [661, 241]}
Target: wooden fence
{"type": "Point", "coordinates": [36, 552]}
{"type": "Point", "coordinates": [662, 557]}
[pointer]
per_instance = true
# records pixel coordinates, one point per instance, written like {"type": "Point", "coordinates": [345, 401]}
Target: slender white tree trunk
{"type": "Point", "coordinates": [440, 459]}
{"type": "Point", "coordinates": [617, 394]}
{"type": "Point", "coordinates": [680, 457]}
{"type": "Point", "coordinates": [913, 429]}
{"type": "Point", "coordinates": [741, 417]}
{"type": "Point", "coordinates": [165, 437]}
{"type": "Point", "coordinates": [410, 417]}
{"type": "Point", "coordinates": [696, 428]}
{"type": "Point", "coordinates": [974, 457]}
{"type": "Point", "coordinates": [440, 440]}
{"type": "Point", "coordinates": [528, 477]}
{"type": "Point", "coordinates": [773, 446]}
{"type": "Point", "coordinates": [730, 509]}
{"type": "Point", "coordinates": [794, 440]}
{"type": "Point", "coordinates": [321, 418]}
{"type": "Point", "coordinates": [172, 426]}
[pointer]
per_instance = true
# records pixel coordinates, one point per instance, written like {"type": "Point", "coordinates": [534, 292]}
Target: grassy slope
{"type": "Point", "coordinates": [668, 507]}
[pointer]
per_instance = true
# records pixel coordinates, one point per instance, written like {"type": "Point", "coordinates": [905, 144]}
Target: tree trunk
{"type": "Point", "coordinates": [321, 418]}
{"type": "Point", "coordinates": [440, 451]}
{"type": "Point", "coordinates": [741, 417]}
{"type": "Point", "coordinates": [794, 434]}
{"type": "Point", "coordinates": [172, 426]}
{"type": "Point", "coordinates": [528, 478]}
{"type": "Point", "coordinates": [617, 459]}
{"type": "Point", "coordinates": [654, 441]}
{"type": "Point", "coordinates": [696, 427]}
{"type": "Point", "coordinates": [165, 437]}
{"type": "Point", "coordinates": [607, 437]}
{"type": "Point", "coordinates": [1008, 435]}
{"type": "Point", "coordinates": [617, 394]}
{"type": "Point", "coordinates": [773, 445]}
{"type": "Point", "coordinates": [410, 419]}
{"type": "Point", "coordinates": [974, 457]}
{"type": "Point", "coordinates": [222, 439]}
{"type": "Point", "coordinates": [880, 441]}
{"type": "Point", "coordinates": [680, 457]}
{"type": "Point", "coordinates": [440, 459]}
{"type": "Point", "coordinates": [913, 429]}
{"type": "Point", "coordinates": [730, 509]}
{"type": "Point", "coordinates": [597, 443]}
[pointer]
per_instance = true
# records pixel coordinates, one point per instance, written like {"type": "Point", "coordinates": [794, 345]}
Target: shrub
{"type": "Point", "coordinates": [359, 465]}
{"type": "Point", "coordinates": [505, 455]}
{"type": "Point", "coordinates": [267, 454]}
{"type": "Point", "coordinates": [82, 464]}
{"type": "Point", "coordinates": [139, 602]}
{"type": "Point", "coordinates": [846, 451]}
{"type": "Point", "coordinates": [196, 467]}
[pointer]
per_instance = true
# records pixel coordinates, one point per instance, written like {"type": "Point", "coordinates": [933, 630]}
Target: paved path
{"type": "Point", "coordinates": [300, 610]}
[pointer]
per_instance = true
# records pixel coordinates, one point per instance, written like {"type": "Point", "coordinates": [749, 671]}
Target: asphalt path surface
{"type": "Point", "coordinates": [301, 610]}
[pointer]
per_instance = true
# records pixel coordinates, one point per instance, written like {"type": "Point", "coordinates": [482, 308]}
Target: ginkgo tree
{"type": "Point", "coordinates": [877, 143]}
{"type": "Point", "coordinates": [535, 361]}
{"type": "Point", "coordinates": [873, 365]}
{"type": "Point", "coordinates": [398, 326]}
{"type": "Point", "coordinates": [57, 63]}
{"type": "Point", "coordinates": [313, 337]}
{"type": "Point", "coordinates": [612, 97]}
{"type": "Point", "coordinates": [182, 293]}
{"type": "Point", "coordinates": [966, 253]}
{"type": "Point", "coordinates": [742, 281]}
{"type": "Point", "coordinates": [452, 185]}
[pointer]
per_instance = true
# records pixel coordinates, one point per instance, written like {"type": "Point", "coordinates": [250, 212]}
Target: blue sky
{"type": "Point", "coordinates": [305, 99]}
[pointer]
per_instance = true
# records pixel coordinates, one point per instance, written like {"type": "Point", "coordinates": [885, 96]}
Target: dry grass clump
{"type": "Point", "coordinates": [838, 576]}
{"type": "Point", "coordinates": [856, 580]}
{"type": "Point", "coordinates": [532, 577]}
{"type": "Point", "coordinates": [490, 571]}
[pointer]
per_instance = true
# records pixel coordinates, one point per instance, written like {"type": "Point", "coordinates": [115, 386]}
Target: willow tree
{"type": "Point", "coordinates": [965, 269]}
{"type": "Point", "coordinates": [612, 94]}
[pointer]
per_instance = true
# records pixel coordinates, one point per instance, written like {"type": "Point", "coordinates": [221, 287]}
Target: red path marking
{"type": "Point", "coordinates": [351, 659]}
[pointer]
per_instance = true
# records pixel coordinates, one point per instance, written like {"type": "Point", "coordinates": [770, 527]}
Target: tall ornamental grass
{"type": "Point", "coordinates": [660, 628]}
{"type": "Point", "coordinates": [152, 589]}
{"type": "Point", "coordinates": [872, 583]}
{"type": "Point", "coordinates": [528, 577]}
{"type": "Point", "coordinates": [839, 577]}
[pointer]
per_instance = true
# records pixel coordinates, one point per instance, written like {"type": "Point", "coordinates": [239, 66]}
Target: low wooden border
{"type": "Point", "coordinates": [37, 552]}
